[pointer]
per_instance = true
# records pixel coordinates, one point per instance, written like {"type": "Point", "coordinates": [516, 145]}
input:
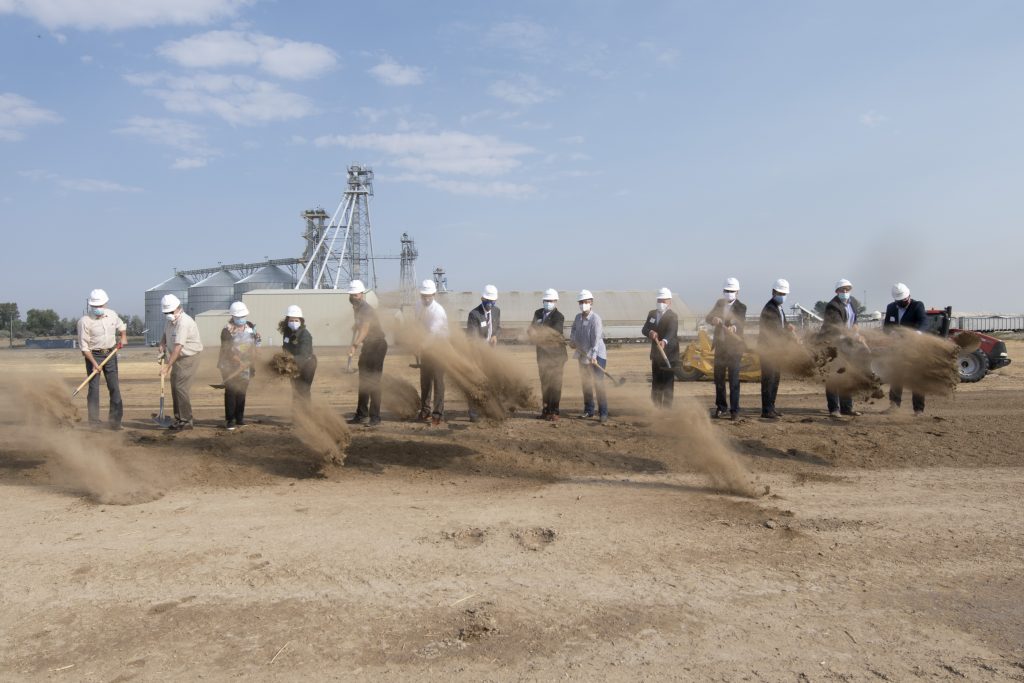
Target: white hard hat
{"type": "Point", "coordinates": [428, 287]}
{"type": "Point", "coordinates": [169, 303]}
{"type": "Point", "coordinates": [844, 283]}
{"type": "Point", "coordinates": [293, 311]}
{"type": "Point", "coordinates": [550, 295]}
{"type": "Point", "coordinates": [900, 292]}
{"type": "Point", "coordinates": [238, 310]}
{"type": "Point", "coordinates": [781, 286]}
{"type": "Point", "coordinates": [356, 287]}
{"type": "Point", "coordinates": [664, 293]}
{"type": "Point", "coordinates": [731, 284]}
{"type": "Point", "coordinates": [98, 297]}
{"type": "Point", "coordinates": [584, 295]}
{"type": "Point", "coordinates": [490, 293]}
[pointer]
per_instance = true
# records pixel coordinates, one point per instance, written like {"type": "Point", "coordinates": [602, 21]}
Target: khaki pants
{"type": "Point", "coordinates": [182, 373]}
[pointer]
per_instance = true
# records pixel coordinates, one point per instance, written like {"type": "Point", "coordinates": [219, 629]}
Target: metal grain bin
{"type": "Point", "coordinates": [178, 286]}
{"type": "Point", "coordinates": [215, 292]}
{"type": "Point", "coordinates": [267, 277]}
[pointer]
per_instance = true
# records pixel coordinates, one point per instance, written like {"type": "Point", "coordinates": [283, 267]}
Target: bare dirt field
{"type": "Point", "coordinates": [883, 547]}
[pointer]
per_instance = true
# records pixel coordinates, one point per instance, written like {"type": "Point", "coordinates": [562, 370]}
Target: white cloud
{"type": "Point", "coordinates": [574, 140]}
{"type": "Point", "coordinates": [470, 187]}
{"type": "Point", "coordinates": [446, 152]}
{"type": "Point", "coordinates": [120, 14]}
{"type": "Point", "coordinates": [872, 119]}
{"type": "Point", "coordinates": [174, 133]}
{"type": "Point", "coordinates": [86, 59]}
{"type": "Point", "coordinates": [281, 58]}
{"type": "Point", "coordinates": [17, 113]}
{"type": "Point", "coordinates": [526, 37]}
{"type": "Point", "coordinates": [522, 91]}
{"type": "Point", "coordinates": [239, 100]}
{"type": "Point", "coordinates": [77, 184]}
{"type": "Point", "coordinates": [60, 38]}
{"type": "Point", "coordinates": [390, 72]}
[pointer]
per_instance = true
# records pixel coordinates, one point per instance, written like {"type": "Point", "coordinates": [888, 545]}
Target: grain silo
{"type": "Point", "coordinates": [267, 277]}
{"type": "Point", "coordinates": [214, 292]}
{"type": "Point", "coordinates": [178, 286]}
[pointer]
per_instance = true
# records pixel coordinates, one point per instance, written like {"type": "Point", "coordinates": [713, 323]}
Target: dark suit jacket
{"type": "Point", "coordinates": [553, 352]}
{"type": "Point", "coordinates": [475, 326]}
{"type": "Point", "coordinates": [914, 316]}
{"type": "Point", "coordinates": [835, 322]}
{"type": "Point", "coordinates": [730, 315]}
{"type": "Point", "coordinates": [667, 329]}
{"type": "Point", "coordinates": [771, 329]}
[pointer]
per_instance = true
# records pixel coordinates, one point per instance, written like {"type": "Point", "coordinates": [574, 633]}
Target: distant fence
{"type": "Point", "coordinates": [50, 343]}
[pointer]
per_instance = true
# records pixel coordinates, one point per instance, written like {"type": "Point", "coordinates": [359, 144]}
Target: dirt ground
{"type": "Point", "coordinates": [887, 547]}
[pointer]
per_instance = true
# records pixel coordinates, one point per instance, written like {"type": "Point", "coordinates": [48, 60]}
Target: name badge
{"type": "Point", "coordinates": [483, 323]}
{"type": "Point", "coordinates": [653, 320]}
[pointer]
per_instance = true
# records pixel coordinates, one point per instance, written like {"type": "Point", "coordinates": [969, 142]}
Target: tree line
{"type": "Point", "coordinates": [44, 322]}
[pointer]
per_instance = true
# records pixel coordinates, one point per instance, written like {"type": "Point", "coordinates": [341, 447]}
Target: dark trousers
{"type": "Point", "coordinates": [182, 373]}
{"type": "Point", "coordinates": [770, 375]}
{"type": "Point", "coordinates": [550, 384]}
{"type": "Point", "coordinates": [302, 386]}
{"type": "Point", "coordinates": [431, 382]}
{"type": "Point", "coordinates": [592, 380]}
{"type": "Point", "coordinates": [113, 388]}
{"type": "Point", "coordinates": [727, 365]}
{"type": "Point", "coordinates": [371, 365]}
{"type": "Point", "coordinates": [663, 384]}
{"type": "Point", "coordinates": [234, 400]}
{"type": "Point", "coordinates": [896, 396]}
{"type": "Point", "coordinates": [841, 402]}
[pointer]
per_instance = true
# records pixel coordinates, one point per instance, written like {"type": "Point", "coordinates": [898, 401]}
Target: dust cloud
{"type": "Point", "coordinates": [94, 462]}
{"type": "Point", "coordinates": [322, 430]}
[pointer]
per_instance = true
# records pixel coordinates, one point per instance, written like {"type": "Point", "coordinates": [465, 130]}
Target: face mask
{"type": "Point", "coordinates": [585, 308]}
{"type": "Point", "coordinates": [426, 300]}
{"type": "Point", "coordinates": [843, 296]}
{"type": "Point", "coordinates": [97, 311]}
{"type": "Point", "coordinates": [779, 299]}
{"type": "Point", "coordinates": [904, 303]}
{"type": "Point", "coordinates": [730, 296]}
{"type": "Point", "coordinates": [488, 304]}
{"type": "Point", "coordinates": [548, 305]}
{"type": "Point", "coordinates": [238, 321]}
{"type": "Point", "coordinates": [294, 325]}
{"type": "Point", "coordinates": [661, 306]}
{"type": "Point", "coordinates": [170, 316]}
{"type": "Point", "coordinates": [353, 299]}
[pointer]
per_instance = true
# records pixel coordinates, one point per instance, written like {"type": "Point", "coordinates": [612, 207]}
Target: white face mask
{"type": "Point", "coordinates": [294, 325]}
{"type": "Point", "coordinates": [171, 317]}
{"type": "Point", "coordinates": [548, 305]}
{"type": "Point", "coordinates": [662, 307]}
{"type": "Point", "coordinates": [585, 308]}
{"type": "Point", "coordinates": [730, 296]}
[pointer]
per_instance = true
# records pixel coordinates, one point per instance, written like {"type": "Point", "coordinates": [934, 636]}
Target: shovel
{"type": "Point", "coordinates": [617, 381]}
{"type": "Point", "coordinates": [160, 418]}
{"type": "Point", "coordinates": [94, 372]}
{"type": "Point", "coordinates": [233, 375]}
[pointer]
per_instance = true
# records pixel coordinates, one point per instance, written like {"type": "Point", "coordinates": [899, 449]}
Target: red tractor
{"type": "Point", "coordinates": [974, 365]}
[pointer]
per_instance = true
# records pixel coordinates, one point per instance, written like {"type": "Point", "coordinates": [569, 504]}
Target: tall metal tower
{"type": "Point", "coordinates": [342, 250]}
{"type": "Point", "coordinates": [407, 270]}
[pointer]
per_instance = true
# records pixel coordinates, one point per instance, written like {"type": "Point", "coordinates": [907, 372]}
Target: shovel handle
{"type": "Point", "coordinates": [616, 381]}
{"type": "Point", "coordinates": [664, 356]}
{"type": "Point", "coordinates": [94, 372]}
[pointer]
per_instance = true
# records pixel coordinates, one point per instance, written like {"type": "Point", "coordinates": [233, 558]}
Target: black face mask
{"type": "Point", "coordinates": [904, 303]}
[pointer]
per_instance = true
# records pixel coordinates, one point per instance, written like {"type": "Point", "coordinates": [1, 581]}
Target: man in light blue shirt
{"type": "Point", "coordinates": [587, 338]}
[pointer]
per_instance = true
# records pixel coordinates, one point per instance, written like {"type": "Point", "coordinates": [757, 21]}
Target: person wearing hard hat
{"type": "Point", "coordinates": [728, 317]}
{"type": "Point", "coordinates": [102, 333]}
{"type": "Point", "coordinates": [181, 336]}
{"type": "Point", "coordinates": [547, 330]}
{"type": "Point", "coordinates": [298, 342]}
{"type": "Point", "coordinates": [433, 321]}
{"type": "Point", "coordinates": [237, 362]}
{"type": "Point", "coordinates": [662, 328]}
{"type": "Point", "coordinates": [908, 313]}
{"type": "Point", "coordinates": [484, 323]}
{"type": "Point", "coordinates": [367, 334]}
{"type": "Point", "coordinates": [586, 337]}
{"type": "Point", "coordinates": [773, 333]}
{"type": "Point", "coordinates": [840, 320]}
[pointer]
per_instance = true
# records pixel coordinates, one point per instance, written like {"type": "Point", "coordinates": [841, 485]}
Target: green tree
{"type": "Point", "coordinates": [10, 320]}
{"type": "Point", "coordinates": [135, 326]}
{"type": "Point", "coordinates": [42, 322]}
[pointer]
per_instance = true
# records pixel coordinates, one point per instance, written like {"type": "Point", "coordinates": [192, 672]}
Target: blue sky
{"type": "Point", "coordinates": [535, 144]}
